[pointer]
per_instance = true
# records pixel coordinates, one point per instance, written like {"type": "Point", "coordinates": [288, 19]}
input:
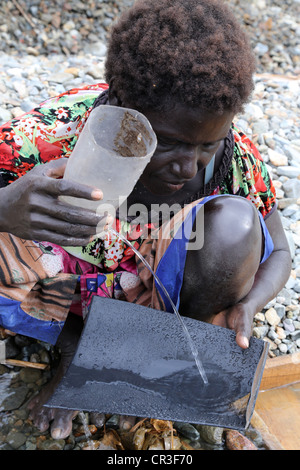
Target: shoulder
{"type": "Point", "coordinates": [248, 175]}
{"type": "Point", "coordinates": [47, 132]}
{"type": "Point", "coordinates": [243, 145]}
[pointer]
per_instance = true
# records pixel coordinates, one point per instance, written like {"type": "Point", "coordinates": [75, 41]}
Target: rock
{"type": "Point", "coordinates": [288, 325]}
{"type": "Point", "coordinates": [15, 399]}
{"type": "Point", "coordinates": [283, 348]}
{"type": "Point", "coordinates": [11, 349]}
{"type": "Point", "coordinates": [286, 203]}
{"type": "Point", "coordinates": [237, 441]}
{"type": "Point", "coordinates": [51, 444]}
{"type": "Point", "coordinates": [260, 331]}
{"type": "Point", "coordinates": [284, 297]}
{"type": "Point", "coordinates": [259, 317]}
{"type": "Point", "coordinates": [292, 188]}
{"type": "Point", "coordinates": [289, 171]}
{"type": "Point", "coordinates": [260, 126]}
{"type": "Point", "coordinates": [211, 434]}
{"type": "Point", "coordinates": [272, 344]}
{"type": "Point", "coordinates": [5, 115]}
{"type": "Point", "coordinates": [280, 332]}
{"type": "Point", "coordinates": [15, 439]}
{"type": "Point", "coordinates": [272, 318]}
{"type": "Point", "coordinates": [187, 430]}
{"type": "Point", "coordinates": [29, 375]}
{"type": "Point", "coordinates": [60, 77]}
{"type": "Point", "coordinates": [280, 310]}
{"type": "Point", "coordinates": [276, 158]}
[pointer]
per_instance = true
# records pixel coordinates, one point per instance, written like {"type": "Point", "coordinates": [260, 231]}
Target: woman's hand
{"type": "Point", "coordinates": [238, 318]}
{"type": "Point", "coordinates": [31, 209]}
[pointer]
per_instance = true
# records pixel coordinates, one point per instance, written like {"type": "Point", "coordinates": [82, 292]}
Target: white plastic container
{"type": "Point", "coordinates": [111, 153]}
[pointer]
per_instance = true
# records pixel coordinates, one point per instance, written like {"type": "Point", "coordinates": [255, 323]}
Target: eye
{"type": "Point", "coordinates": [210, 145]}
{"type": "Point", "coordinates": [164, 142]}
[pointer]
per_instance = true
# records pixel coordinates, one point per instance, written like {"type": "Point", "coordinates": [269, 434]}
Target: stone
{"type": "Point", "coordinates": [292, 188]}
{"type": "Point", "coordinates": [260, 126]}
{"type": "Point", "coordinates": [253, 111]}
{"type": "Point", "coordinates": [259, 317]}
{"type": "Point", "coordinates": [272, 335]}
{"type": "Point", "coordinates": [21, 88]}
{"type": "Point", "coordinates": [60, 77]}
{"type": "Point", "coordinates": [280, 310]}
{"type": "Point", "coordinates": [15, 399]}
{"type": "Point", "coordinates": [271, 316]}
{"type": "Point", "coordinates": [295, 335]}
{"type": "Point", "coordinates": [286, 203]}
{"type": "Point", "coordinates": [289, 171]}
{"type": "Point", "coordinates": [260, 331]}
{"type": "Point", "coordinates": [288, 325]}
{"type": "Point", "coordinates": [15, 439]}
{"type": "Point", "coordinates": [284, 297]}
{"type": "Point", "coordinates": [276, 158]}
{"type": "Point", "coordinates": [272, 345]}
{"type": "Point", "coordinates": [5, 115]}
{"type": "Point", "coordinates": [237, 441]}
{"type": "Point", "coordinates": [187, 430]}
{"type": "Point", "coordinates": [28, 375]}
{"type": "Point", "coordinates": [51, 444]}
{"type": "Point", "coordinates": [283, 348]}
{"type": "Point", "coordinates": [211, 434]}
{"type": "Point", "coordinates": [280, 332]}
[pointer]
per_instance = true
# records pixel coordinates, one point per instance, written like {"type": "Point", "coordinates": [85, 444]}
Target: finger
{"type": "Point", "coordinates": [66, 212]}
{"type": "Point", "coordinates": [242, 340]}
{"type": "Point", "coordinates": [76, 230]}
{"type": "Point", "coordinates": [243, 329]}
{"type": "Point", "coordinates": [60, 239]}
{"type": "Point", "coordinates": [64, 187]}
{"type": "Point", "coordinates": [56, 172]}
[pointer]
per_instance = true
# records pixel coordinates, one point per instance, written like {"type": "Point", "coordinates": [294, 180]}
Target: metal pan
{"type": "Point", "coordinates": [136, 361]}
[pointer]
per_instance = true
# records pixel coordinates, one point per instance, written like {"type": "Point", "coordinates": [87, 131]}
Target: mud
{"type": "Point", "coordinates": [129, 141]}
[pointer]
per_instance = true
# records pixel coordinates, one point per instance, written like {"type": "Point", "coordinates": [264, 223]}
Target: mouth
{"type": "Point", "coordinates": [173, 186]}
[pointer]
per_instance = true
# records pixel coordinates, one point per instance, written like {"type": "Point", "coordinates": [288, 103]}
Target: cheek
{"type": "Point", "coordinates": [158, 161]}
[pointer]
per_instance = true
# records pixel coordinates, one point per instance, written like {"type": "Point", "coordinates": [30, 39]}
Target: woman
{"type": "Point", "coordinates": [187, 66]}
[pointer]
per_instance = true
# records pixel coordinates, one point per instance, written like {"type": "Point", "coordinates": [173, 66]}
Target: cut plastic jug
{"type": "Point", "coordinates": [111, 153]}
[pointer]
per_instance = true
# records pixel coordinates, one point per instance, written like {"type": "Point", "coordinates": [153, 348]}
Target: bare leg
{"type": "Point", "coordinates": [222, 272]}
{"type": "Point", "coordinates": [41, 416]}
{"type": "Point", "coordinates": [61, 420]}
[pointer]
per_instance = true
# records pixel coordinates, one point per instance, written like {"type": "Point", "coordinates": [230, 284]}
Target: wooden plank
{"type": "Point", "coordinates": [277, 411]}
{"type": "Point", "coordinates": [270, 441]}
{"type": "Point", "coordinates": [17, 363]}
{"type": "Point", "coordinates": [281, 370]}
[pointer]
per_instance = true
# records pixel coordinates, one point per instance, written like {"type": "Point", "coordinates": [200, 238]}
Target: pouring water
{"type": "Point", "coordinates": [186, 332]}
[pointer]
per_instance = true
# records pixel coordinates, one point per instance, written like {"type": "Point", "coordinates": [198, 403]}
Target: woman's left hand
{"type": "Point", "coordinates": [238, 318]}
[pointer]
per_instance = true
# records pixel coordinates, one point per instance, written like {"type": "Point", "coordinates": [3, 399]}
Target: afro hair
{"type": "Point", "coordinates": [192, 51]}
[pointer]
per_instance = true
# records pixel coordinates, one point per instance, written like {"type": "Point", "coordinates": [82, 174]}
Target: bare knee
{"type": "Point", "coordinates": [222, 271]}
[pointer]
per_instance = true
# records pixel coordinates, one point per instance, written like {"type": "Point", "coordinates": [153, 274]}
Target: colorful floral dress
{"type": "Point", "coordinates": [35, 301]}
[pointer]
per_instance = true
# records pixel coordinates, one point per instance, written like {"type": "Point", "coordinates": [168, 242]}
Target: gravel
{"type": "Point", "coordinates": [48, 47]}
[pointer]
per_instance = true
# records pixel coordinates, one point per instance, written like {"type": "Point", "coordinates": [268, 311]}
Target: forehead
{"type": "Point", "coordinates": [190, 124]}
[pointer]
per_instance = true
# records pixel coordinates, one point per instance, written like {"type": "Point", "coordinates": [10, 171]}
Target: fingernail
{"type": "Point", "coordinates": [97, 194]}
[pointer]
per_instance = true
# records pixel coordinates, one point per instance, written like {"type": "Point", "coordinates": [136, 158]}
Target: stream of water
{"type": "Point", "coordinates": [185, 330]}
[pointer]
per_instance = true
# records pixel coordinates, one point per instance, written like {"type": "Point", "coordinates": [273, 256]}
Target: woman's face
{"type": "Point", "coordinates": [187, 140]}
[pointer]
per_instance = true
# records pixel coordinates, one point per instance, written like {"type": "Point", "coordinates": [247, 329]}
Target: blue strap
{"type": "Point", "coordinates": [209, 170]}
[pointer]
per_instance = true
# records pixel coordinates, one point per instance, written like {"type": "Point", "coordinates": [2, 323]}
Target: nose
{"type": "Point", "coordinates": [185, 166]}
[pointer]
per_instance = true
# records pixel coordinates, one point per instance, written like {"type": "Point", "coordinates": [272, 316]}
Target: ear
{"type": "Point", "coordinates": [113, 97]}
